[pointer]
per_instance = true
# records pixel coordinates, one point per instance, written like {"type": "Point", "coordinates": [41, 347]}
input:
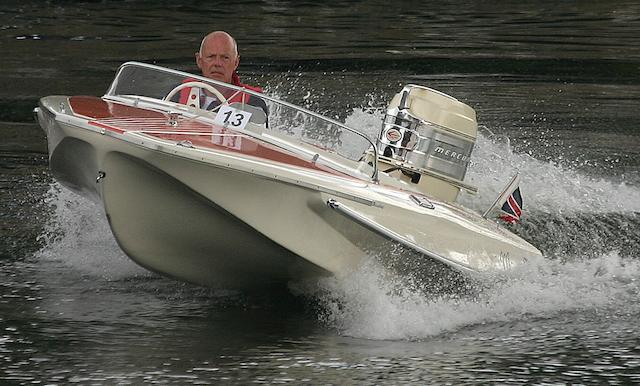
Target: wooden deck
{"type": "Point", "coordinates": [120, 119]}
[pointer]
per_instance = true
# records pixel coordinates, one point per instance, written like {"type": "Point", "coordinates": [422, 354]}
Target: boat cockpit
{"type": "Point", "coordinates": [425, 141]}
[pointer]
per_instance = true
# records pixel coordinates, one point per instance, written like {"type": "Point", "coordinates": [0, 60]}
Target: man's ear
{"type": "Point", "coordinates": [237, 62]}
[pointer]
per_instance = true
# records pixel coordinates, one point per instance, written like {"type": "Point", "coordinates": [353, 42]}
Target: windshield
{"type": "Point", "coordinates": [292, 125]}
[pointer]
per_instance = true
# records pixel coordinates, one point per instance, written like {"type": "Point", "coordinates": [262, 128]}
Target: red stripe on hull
{"type": "Point", "coordinates": [121, 118]}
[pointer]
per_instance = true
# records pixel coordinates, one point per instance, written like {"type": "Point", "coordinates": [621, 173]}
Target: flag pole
{"type": "Point", "coordinates": [505, 192]}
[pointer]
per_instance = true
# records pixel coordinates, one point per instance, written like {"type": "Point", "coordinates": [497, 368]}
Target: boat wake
{"type": "Point", "coordinates": [569, 215]}
{"type": "Point", "coordinates": [587, 228]}
{"type": "Point", "coordinates": [371, 304]}
{"type": "Point", "coordinates": [547, 187]}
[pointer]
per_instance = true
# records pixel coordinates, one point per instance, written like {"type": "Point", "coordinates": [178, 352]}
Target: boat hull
{"type": "Point", "coordinates": [224, 219]}
{"type": "Point", "coordinates": [166, 226]}
{"type": "Point", "coordinates": [162, 223]}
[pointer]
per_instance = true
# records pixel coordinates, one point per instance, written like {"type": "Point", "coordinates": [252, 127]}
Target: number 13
{"type": "Point", "coordinates": [228, 116]}
{"type": "Point", "coordinates": [239, 118]}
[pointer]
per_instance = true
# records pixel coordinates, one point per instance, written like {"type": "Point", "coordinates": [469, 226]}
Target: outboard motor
{"type": "Point", "coordinates": [426, 139]}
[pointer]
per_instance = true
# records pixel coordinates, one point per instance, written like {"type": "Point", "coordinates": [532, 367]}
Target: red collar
{"type": "Point", "coordinates": [235, 79]}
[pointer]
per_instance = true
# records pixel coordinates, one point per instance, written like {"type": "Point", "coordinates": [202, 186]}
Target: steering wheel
{"type": "Point", "coordinates": [194, 84]}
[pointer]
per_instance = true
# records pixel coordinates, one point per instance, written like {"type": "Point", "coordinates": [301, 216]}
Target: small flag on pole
{"type": "Point", "coordinates": [509, 202]}
{"type": "Point", "coordinates": [512, 207]}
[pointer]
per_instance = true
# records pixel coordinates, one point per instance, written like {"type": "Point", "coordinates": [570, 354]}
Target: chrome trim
{"type": "Point", "coordinates": [405, 166]}
{"type": "Point", "coordinates": [173, 118]}
{"type": "Point", "coordinates": [114, 84]}
{"type": "Point", "coordinates": [423, 144]}
{"type": "Point", "coordinates": [391, 235]}
{"type": "Point", "coordinates": [422, 201]}
{"type": "Point", "coordinates": [185, 143]}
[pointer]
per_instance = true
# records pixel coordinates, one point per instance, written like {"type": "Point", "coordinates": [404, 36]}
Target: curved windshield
{"type": "Point", "coordinates": [287, 125]}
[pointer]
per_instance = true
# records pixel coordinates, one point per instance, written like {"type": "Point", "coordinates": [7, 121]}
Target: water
{"type": "Point", "coordinates": [556, 89]}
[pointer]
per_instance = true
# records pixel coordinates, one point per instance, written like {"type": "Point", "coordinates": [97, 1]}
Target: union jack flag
{"type": "Point", "coordinates": [512, 207]}
{"type": "Point", "coordinates": [509, 201]}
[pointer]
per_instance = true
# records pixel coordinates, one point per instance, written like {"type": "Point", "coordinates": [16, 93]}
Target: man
{"type": "Point", "coordinates": [218, 59]}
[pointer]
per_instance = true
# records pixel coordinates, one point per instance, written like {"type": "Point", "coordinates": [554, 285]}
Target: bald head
{"type": "Point", "coordinates": [221, 36]}
{"type": "Point", "coordinates": [218, 56]}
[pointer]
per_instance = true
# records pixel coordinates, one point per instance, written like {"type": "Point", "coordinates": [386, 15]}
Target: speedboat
{"type": "Point", "coordinates": [233, 193]}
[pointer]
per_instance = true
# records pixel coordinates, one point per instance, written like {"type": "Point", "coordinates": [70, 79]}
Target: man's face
{"type": "Point", "coordinates": [218, 59]}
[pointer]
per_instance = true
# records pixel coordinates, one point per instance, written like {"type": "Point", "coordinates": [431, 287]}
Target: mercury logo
{"type": "Point", "coordinates": [393, 135]}
{"type": "Point", "coordinates": [451, 154]}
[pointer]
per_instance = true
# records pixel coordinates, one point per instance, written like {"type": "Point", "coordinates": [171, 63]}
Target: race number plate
{"type": "Point", "coordinates": [232, 118]}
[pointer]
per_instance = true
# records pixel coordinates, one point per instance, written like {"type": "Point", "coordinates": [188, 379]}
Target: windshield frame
{"type": "Point", "coordinates": [114, 85]}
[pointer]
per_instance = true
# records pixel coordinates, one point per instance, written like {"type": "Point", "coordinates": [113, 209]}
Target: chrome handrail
{"type": "Point", "coordinates": [111, 92]}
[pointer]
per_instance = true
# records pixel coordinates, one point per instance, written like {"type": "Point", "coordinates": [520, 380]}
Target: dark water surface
{"type": "Point", "coordinates": [556, 86]}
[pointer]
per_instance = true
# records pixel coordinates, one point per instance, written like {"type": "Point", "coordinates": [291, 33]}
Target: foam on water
{"type": "Point", "coordinates": [546, 186]}
{"type": "Point", "coordinates": [372, 303]}
{"type": "Point", "coordinates": [77, 234]}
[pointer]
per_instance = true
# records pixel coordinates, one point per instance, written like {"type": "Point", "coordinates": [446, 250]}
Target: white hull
{"type": "Point", "coordinates": [190, 198]}
{"type": "Point", "coordinates": [221, 219]}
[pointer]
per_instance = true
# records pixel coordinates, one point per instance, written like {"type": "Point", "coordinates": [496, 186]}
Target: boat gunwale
{"type": "Point", "coordinates": [111, 93]}
{"type": "Point", "coordinates": [216, 157]}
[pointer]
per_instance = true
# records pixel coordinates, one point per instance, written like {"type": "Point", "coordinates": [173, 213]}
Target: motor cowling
{"type": "Point", "coordinates": [429, 137]}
